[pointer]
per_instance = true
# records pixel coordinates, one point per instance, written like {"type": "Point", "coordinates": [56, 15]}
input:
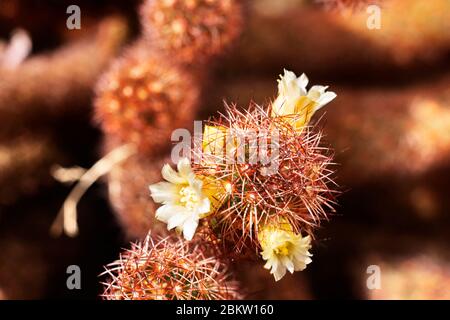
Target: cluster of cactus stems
{"type": "Point", "coordinates": [222, 210]}
{"type": "Point", "coordinates": [168, 269]}
{"type": "Point", "coordinates": [151, 90]}
{"type": "Point", "coordinates": [296, 192]}
{"type": "Point", "coordinates": [254, 206]}
{"type": "Point", "coordinates": [154, 87]}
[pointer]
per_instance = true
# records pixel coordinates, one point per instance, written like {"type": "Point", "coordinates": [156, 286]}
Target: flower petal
{"type": "Point", "coordinates": [195, 183]}
{"type": "Point", "coordinates": [164, 213]}
{"type": "Point", "coordinates": [184, 167]}
{"type": "Point", "coordinates": [214, 139]}
{"type": "Point", "coordinates": [177, 220]}
{"type": "Point", "coordinates": [163, 192]}
{"type": "Point", "coordinates": [288, 264]}
{"type": "Point", "coordinates": [171, 175]}
{"type": "Point", "coordinates": [204, 206]}
{"type": "Point", "coordinates": [324, 99]}
{"type": "Point", "coordinates": [189, 228]}
{"type": "Point", "coordinates": [302, 82]}
{"type": "Point", "coordinates": [268, 265]}
{"type": "Point", "coordinates": [277, 106]}
{"type": "Point", "coordinates": [288, 75]}
{"type": "Point", "coordinates": [317, 89]}
{"type": "Point", "coordinates": [279, 272]}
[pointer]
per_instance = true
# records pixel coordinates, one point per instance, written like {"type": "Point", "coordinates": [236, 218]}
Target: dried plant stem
{"type": "Point", "coordinates": [66, 220]}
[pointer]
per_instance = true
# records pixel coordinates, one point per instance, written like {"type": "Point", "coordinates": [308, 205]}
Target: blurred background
{"type": "Point", "coordinates": [389, 126]}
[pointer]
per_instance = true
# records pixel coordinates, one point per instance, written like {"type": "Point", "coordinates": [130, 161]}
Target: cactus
{"type": "Point", "coordinates": [297, 192]}
{"type": "Point", "coordinates": [43, 88]}
{"type": "Point", "coordinates": [25, 164]}
{"type": "Point", "coordinates": [260, 179]}
{"type": "Point", "coordinates": [168, 269]}
{"type": "Point", "coordinates": [143, 98]}
{"type": "Point", "coordinates": [192, 31]}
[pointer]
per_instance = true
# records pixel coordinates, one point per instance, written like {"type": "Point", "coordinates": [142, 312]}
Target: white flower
{"type": "Point", "coordinates": [184, 202]}
{"type": "Point", "coordinates": [296, 103]}
{"type": "Point", "coordinates": [283, 249]}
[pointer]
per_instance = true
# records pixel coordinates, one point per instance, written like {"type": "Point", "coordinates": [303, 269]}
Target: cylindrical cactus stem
{"type": "Point", "coordinates": [144, 97]}
{"type": "Point", "coordinates": [168, 269]}
{"type": "Point", "coordinates": [50, 85]}
{"type": "Point", "coordinates": [25, 166]}
{"type": "Point", "coordinates": [347, 5]}
{"type": "Point", "coordinates": [406, 136]}
{"type": "Point", "coordinates": [192, 31]}
{"type": "Point", "coordinates": [308, 32]}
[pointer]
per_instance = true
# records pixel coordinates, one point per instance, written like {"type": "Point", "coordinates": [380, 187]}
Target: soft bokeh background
{"type": "Point", "coordinates": [389, 126]}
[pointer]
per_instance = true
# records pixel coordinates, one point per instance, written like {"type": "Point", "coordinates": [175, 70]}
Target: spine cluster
{"type": "Point", "coordinates": [168, 269]}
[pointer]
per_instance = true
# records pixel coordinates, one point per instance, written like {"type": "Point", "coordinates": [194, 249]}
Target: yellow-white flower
{"type": "Point", "coordinates": [283, 249]}
{"type": "Point", "coordinates": [297, 104]}
{"type": "Point", "coordinates": [214, 138]}
{"type": "Point", "coordinates": [184, 202]}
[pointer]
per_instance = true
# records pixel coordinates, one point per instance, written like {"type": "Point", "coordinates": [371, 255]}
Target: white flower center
{"type": "Point", "coordinates": [189, 197]}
